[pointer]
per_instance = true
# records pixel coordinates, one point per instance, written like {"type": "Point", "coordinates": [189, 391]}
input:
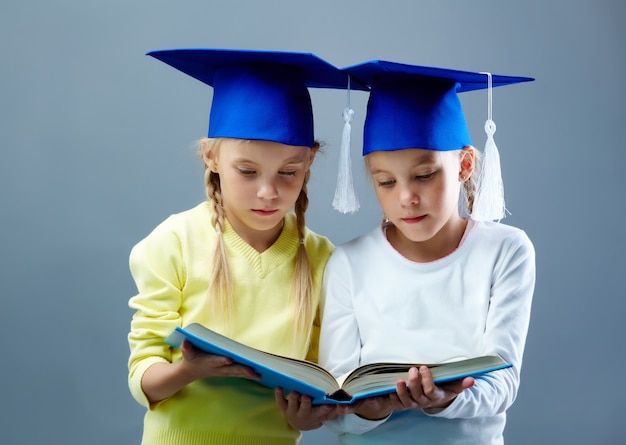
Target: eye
{"type": "Point", "coordinates": [386, 183]}
{"type": "Point", "coordinates": [288, 172]}
{"type": "Point", "coordinates": [425, 177]}
{"type": "Point", "coordinates": [246, 171]}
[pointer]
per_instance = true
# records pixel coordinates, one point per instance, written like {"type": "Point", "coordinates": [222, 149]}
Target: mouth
{"type": "Point", "coordinates": [264, 212]}
{"type": "Point", "coordinates": [413, 219]}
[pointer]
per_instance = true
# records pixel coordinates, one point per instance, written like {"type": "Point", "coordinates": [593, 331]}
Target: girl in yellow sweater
{"type": "Point", "coordinates": [239, 263]}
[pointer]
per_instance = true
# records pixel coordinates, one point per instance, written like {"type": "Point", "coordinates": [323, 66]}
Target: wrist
{"type": "Point", "coordinates": [185, 373]}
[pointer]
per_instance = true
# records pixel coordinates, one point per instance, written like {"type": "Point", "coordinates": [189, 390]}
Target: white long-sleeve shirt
{"type": "Point", "coordinates": [380, 306]}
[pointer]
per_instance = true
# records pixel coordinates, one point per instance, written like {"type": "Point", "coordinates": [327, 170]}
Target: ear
{"type": "Point", "coordinates": [312, 152]}
{"type": "Point", "coordinates": [466, 164]}
{"type": "Point", "coordinates": [210, 161]}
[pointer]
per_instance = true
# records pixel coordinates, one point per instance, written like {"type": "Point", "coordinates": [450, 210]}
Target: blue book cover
{"type": "Point", "coordinates": [311, 379]}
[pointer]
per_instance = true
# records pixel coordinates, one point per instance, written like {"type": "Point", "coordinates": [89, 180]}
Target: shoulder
{"type": "Point", "coordinates": [320, 244]}
{"type": "Point", "coordinates": [178, 227]}
{"type": "Point", "coordinates": [197, 215]}
{"type": "Point", "coordinates": [509, 246]}
{"type": "Point", "coordinates": [194, 218]}
{"type": "Point", "coordinates": [358, 251]}
{"type": "Point", "coordinates": [363, 243]}
{"type": "Point", "coordinates": [317, 242]}
{"type": "Point", "coordinates": [501, 233]}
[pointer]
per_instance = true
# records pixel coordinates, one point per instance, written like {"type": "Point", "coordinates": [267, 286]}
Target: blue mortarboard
{"type": "Point", "coordinates": [259, 95]}
{"type": "Point", "coordinates": [417, 106]}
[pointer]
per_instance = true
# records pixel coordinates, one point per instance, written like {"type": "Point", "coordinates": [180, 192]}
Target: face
{"type": "Point", "coordinates": [260, 182]}
{"type": "Point", "coordinates": [419, 190]}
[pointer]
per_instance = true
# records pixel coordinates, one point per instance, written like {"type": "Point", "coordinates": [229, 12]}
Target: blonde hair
{"type": "Point", "coordinates": [220, 291]}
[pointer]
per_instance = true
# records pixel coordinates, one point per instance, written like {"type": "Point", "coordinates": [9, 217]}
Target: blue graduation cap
{"type": "Point", "coordinates": [258, 95]}
{"type": "Point", "coordinates": [417, 106]}
{"type": "Point", "coordinates": [414, 106]}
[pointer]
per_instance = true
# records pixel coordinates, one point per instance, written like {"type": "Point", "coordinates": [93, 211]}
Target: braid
{"type": "Point", "coordinates": [470, 192]}
{"type": "Point", "coordinates": [214, 194]}
{"type": "Point", "coordinates": [301, 206]}
{"type": "Point", "coordinates": [220, 285]}
{"type": "Point", "coordinates": [303, 279]}
{"type": "Point", "coordinates": [471, 184]}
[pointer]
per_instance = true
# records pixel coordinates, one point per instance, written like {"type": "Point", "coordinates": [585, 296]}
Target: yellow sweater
{"type": "Point", "coordinates": [171, 268]}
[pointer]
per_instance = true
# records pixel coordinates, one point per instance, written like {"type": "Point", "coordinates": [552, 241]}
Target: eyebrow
{"type": "Point", "coordinates": [293, 160]}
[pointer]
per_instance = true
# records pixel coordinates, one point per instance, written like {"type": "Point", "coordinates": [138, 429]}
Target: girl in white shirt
{"type": "Point", "coordinates": [436, 281]}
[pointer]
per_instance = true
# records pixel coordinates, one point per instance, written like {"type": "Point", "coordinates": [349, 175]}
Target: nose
{"type": "Point", "coordinates": [267, 190]}
{"type": "Point", "coordinates": [407, 196]}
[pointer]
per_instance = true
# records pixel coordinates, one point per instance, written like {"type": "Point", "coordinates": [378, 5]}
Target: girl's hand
{"type": "Point", "coordinates": [198, 364]}
{"type": "Point", "coordinates": [420, 391]}
{"type": "Point", "coordinates": [302, 415]}
{"type": "Point", "coordinates": [163, 380]}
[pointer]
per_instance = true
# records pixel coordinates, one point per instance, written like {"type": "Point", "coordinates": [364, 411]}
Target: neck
{"type": "Point", "coordinates": [260, 240]}
{"type": "Point", "coordinates": [445, 242]}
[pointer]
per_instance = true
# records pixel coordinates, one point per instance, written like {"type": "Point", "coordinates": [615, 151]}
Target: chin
{"type": "Point", "coordinates": [266, 225]}
{"type": "Point", "coordinates": [417, 236]}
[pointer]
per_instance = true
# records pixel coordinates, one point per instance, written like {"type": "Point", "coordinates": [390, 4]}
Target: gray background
{"type": "Point", "coordinates": [97, 149]}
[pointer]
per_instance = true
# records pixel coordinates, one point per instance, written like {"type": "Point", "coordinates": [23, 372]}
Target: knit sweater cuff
{"type": "Point", "coordinates": [134, 379]}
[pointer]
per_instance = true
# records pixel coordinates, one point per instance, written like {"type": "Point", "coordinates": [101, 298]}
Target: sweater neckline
{"type": "Point", "coordinates": [282, 251]}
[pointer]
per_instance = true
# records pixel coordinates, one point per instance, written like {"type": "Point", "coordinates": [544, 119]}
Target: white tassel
{"type": "Point", "coordinates": [489, 203]}
{"type": "Point", "coordinates": [345, 200]}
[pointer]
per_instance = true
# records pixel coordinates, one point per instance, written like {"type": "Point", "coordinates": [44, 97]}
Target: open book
{"type": "Point", "coordinates": [311, 379]}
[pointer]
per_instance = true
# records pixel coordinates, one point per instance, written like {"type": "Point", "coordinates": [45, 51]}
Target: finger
{"type": "Point", "coordinates": [280, 399]}
{"type": "Point", "coordinates": [305, 408]}
{"type": "Point", "coordinates": [330, 415]}
{"type": "Point", "coordinates": [218, 361]}
{"type": "Point", "coordinates": [323, 412]}
{"type": "Point", "coordinates": [190, 352]}
{"type": "Point", "coordinates": [467, 382]}
{"type": "Point", "coordinates": [293, 400]}
{"type": "Point", "coordinates": [397, 405]}
{"type": "Point", "coordinates": [403, 398]}
{"type": "Point", "coordinates": [237, 371]}
{"type": "Point", "coordinates": [458, 386]}
{"type": "Point", "coordinates": [187, 347]}
{"type": "Point", "coordinates": [415, 384]}
{"type": "Point", "coordinates": [328, 412]}
{"type": "Point", "coordinates": [428, 384]}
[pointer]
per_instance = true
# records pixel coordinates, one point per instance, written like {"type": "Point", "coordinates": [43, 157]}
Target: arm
{"type": "Point", "coordinates": [505, 333]}
{"type": "Point", "coordinates": [163, 380]}
{"type": "Point", "coordinates": [509, 280]}
{"type": "Point", "coordinates": [156, 372]}
{"type": "Point", "coordinates": [340, 344]}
